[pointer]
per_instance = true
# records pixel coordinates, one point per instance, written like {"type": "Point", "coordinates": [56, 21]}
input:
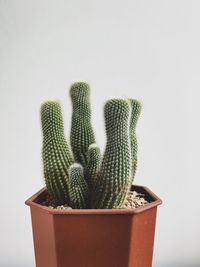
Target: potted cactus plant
{"type": "Point", "coordinates": [80, 217]}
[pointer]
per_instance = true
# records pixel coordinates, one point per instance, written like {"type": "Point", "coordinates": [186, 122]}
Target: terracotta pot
{"type": "Point", "coordinates": [94, 238]}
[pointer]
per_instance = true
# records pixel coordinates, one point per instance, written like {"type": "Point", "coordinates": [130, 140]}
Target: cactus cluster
{"type": "Point", "coordinates": [77, 174]}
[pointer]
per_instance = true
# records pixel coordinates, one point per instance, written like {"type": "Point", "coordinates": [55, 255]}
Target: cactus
{"type": "Point", "coordinates": [94, 160]}
{"type": "Point", "coordinates": [82, 134]}
{"type": "Point", "coordinates": [114, 179]}
{"type": "Point", "coordinates": [83, 180]}
{"type": "Point", "coordinates": [135, 112]}
{"type": "Point", "coordinates": [78, 189]}
{"type": "Point", "coordinates": [55, 152]}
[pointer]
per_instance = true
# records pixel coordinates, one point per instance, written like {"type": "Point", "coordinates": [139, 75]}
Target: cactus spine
{"type": "Point", "coordinates": [82, 134]}
{"type": "Point", "coordinates": [135, 113]}
{"type": "Point", "coordinates": [55, 152]}
{"type": "Point", "coordinates": [114, 178]}
{"type": "Point", "coordinates": [78, 189]}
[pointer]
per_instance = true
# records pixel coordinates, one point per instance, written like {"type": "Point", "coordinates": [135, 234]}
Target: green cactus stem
{"type": "Point", "coordinates": [135, 113]}
{"type": "Point", "coordinates": [114, 179]}
{"type": "Point", "coordinates": [78, 190]}
{"type": "Point", "coordinates": [94, 160]}
{"type": "Point", "coordinates": [55, 152]}
{"type": "Point", "coordinates": [82, 134]}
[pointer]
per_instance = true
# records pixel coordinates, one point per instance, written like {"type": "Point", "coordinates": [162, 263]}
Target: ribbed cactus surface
{"type": "Point", "coordinates": [114, 179]}
{"type": "Point", "coordinates": [82, 134]}
{"type": "Point", "coordinates": [135, 113]}
{"type": "Point", "coordinates": [55, 152]}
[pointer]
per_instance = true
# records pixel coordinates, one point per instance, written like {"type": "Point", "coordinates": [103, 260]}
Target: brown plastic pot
{"type": "Point", "coordinates": [95, 237]}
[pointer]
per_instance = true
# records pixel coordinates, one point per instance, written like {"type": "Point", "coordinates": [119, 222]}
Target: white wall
{"type": "Point", "coordinates": [143, 49]}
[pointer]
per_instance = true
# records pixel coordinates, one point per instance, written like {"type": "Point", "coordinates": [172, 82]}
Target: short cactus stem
{"type": "Point", "coordinates": [114, 179]}
{"type": "Point", "coordinates": [55, 152]}
{"type": "Point", "coordinates": [82, 134]}
{"type": "Point", "coordinates": [78, 190]}
{"type": "Point", "coordinates": [94, 160]}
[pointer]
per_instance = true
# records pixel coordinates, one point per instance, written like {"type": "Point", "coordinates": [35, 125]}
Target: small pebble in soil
{"type": "Point", "coordinates": [62, 207]}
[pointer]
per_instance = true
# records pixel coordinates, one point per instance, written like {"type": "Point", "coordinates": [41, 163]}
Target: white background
{"type": "Point", "coordinates": [148, 50]}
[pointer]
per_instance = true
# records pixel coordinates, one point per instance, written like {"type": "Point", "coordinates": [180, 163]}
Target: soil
{"type": "Point", "coordinates": [134, 200]}
{"type": "Point", "coordinates": [50, 203]}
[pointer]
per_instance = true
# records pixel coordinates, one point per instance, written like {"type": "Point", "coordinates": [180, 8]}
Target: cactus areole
{"type": "Point", "coordinates": [95, 186]}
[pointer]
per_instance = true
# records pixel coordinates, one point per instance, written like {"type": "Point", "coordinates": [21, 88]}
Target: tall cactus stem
{"type": "Point", "coordinates": [135, 113]}
{"type": "Point", "coordinates": [56, 154]}
{"type": "Point", "coordinates": [114, 177]}
{"type": "Point", "coordinates": [82, 134]}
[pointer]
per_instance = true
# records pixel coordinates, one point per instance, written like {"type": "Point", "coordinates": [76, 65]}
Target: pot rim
{"type": "Point", "coordinates": [33, 202]}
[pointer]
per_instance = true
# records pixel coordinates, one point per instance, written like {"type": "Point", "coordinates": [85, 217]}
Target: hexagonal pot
{"type": "Point", "coordinates": [94, 237]}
